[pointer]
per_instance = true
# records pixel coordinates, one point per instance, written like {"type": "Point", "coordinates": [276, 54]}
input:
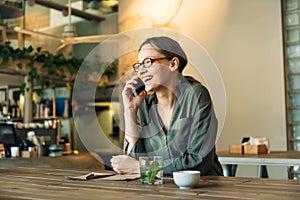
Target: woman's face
{"type": "Point", "coordinates": [158, 74]}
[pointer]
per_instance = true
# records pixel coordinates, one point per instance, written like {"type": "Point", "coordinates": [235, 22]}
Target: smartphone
{"type": "Point", "coordinates": [140, 86]}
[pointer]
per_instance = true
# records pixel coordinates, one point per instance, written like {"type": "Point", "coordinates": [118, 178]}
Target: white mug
{"type": "Point", "coordinates": [14, 152]}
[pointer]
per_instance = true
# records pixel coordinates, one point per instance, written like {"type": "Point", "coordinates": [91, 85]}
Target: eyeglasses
{"type": "Point", "coordinates": [147, 62]}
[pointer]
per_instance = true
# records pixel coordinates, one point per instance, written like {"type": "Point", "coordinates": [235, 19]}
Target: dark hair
{"type": "Point", "coordinates": [169, 48]}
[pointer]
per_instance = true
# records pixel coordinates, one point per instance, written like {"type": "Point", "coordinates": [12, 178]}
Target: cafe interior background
{"type": "Point", "coordinates": [244, 39]}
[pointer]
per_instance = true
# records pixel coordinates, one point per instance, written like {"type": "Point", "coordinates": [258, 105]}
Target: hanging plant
{"type": "Point", "coordinates": [46, 68]}
{"type": "Point", "coordinates": [38, 64]}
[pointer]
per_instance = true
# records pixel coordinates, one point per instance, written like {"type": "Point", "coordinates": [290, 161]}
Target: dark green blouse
{"type": "Point", "coordinates": [189, 143]}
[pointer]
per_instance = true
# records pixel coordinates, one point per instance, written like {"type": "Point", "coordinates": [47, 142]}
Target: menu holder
{"type": "Point", "coordinates": [255, 149]}
{"type": "Point", "coordinates": [103, 176]}
{"type": "Point", "coordinates": [236, 148]}
{"type": "Point", "coordinates": [251, 145]}
{"type": "Point", "coordinates": [248, 149]}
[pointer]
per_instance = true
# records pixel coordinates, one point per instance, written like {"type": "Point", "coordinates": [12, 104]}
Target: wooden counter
{"type": "Point", "coordinates": [82, 160]}
{"type": "Point", "coordinates": [43, 183]}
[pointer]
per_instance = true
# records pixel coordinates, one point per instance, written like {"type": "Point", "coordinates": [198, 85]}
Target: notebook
{"type": "Point", "coordinates": [104, 176]}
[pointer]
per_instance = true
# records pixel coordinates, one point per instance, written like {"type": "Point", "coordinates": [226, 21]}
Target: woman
{"type": "Point", "coordinates": [173, 116]}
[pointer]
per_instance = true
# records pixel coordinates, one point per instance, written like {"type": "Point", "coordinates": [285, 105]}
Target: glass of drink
{"type": "Point", "coordinates": [151, 169]}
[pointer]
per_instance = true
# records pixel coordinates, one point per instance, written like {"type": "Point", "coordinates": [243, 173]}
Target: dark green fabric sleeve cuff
{"type": "Point", "coordinates": [137, 149]}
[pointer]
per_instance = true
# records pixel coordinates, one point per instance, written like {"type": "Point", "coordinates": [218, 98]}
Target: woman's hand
{"type": "Point", "coordinates": [131, 100]}
{"type": "Point", "coordinates": [124, 164]}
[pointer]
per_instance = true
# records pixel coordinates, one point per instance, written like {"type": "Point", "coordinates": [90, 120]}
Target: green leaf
{"type": "Point", "coordinates": [22, 88]}
{"type": "Point", "coordinates": [20, 65]}
{"type": "Point", "coordinates": [53, 66]}
{"type": "Point", "coordinates": [154, 168]}
{"type": "Point", "coordinates": [33, 72]}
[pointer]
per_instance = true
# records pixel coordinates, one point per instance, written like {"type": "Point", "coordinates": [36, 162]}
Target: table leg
{"type": "Point", "coordinates": [229, 170]}
{"type": "Point", "coordinates": [290, 172]}
{"type": "Point", "coordinates": [262, 171]}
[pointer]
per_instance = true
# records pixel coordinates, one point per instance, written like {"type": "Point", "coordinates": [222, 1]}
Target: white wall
{"type": "Point", "coordinates": [244, 38]}
{"type": "Point", "coordinates": [249, 54]}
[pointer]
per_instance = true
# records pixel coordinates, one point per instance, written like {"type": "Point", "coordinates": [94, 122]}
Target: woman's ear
{"type": "Point", "coordinates": [174, 64]}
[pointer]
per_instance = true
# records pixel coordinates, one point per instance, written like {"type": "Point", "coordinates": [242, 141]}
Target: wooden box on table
{"type": "Point", "coordinates": [236, 148]}
{"type": "Point", "coordinates": [255, 149]}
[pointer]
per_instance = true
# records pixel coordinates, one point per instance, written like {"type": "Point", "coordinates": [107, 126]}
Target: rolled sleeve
{"type": "Point", "coordinates": [137, 150]}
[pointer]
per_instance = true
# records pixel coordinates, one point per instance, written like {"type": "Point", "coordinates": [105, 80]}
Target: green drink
{"type": "Point", "coordinates": [144, 175]}
{"type": "Point", "coordinates": [151, 170]}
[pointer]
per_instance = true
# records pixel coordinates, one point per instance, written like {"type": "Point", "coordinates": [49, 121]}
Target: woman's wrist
{"type": "Point", "coordinates": [131, 130]}
{"type": "Point", "coordinates": [130, 111]}
{"type": "Point", "coordinates": [130, 119]}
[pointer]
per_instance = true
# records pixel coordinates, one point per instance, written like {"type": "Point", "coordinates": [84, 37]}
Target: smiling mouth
{"type": "Point", "coordinates": [146, 79]}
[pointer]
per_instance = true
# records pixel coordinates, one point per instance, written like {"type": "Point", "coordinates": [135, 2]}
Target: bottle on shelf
{"type": "Point", "coordinates": [14, 109]}
{"type": "Point", "coordinates": [19, 113]}
{"type": "Point", "coordinates": [4, 109]}
{"type": "Point", "coordinates": [9, 108]}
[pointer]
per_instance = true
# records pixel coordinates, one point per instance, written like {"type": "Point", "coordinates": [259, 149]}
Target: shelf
{"type": "Point", "coordinates": [293, 58]}
{"type": "Point", "coordinates": [9, 11]}
{"type": "Point", "coordinates": [294, 107]}
{"type": "Point", "coordinates": [74, 11]}
{"type": "Point", "coordinates": [295, 139]}
{"type": "Point", "coordinates": [292, 11]}
{"type": "Point", "coordinates": [293, 74]}
{"type": "Point", "coordinates": [294, 123]}
{"type": "Point", "coordinates": [293, 43]}
{"type": "Point", "coordinates": [292, 27]}
{"type": "Point", "coordinates": [293, 91]}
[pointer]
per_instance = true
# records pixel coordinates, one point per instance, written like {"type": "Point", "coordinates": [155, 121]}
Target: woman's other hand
{"type": "Point", "coordinates": [124, 164]}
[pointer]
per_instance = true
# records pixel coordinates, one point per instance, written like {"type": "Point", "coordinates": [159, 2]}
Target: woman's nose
{"type": "Point", "coordinates": [142, 71]}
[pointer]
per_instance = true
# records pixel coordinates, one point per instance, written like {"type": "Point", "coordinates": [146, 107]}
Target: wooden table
{"type": "Point", "coordinates": [83, 161]}
{"type": "Point", "coordinates": [230, 161]}
{"type": "Point", "coordinates": [42, 183]}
